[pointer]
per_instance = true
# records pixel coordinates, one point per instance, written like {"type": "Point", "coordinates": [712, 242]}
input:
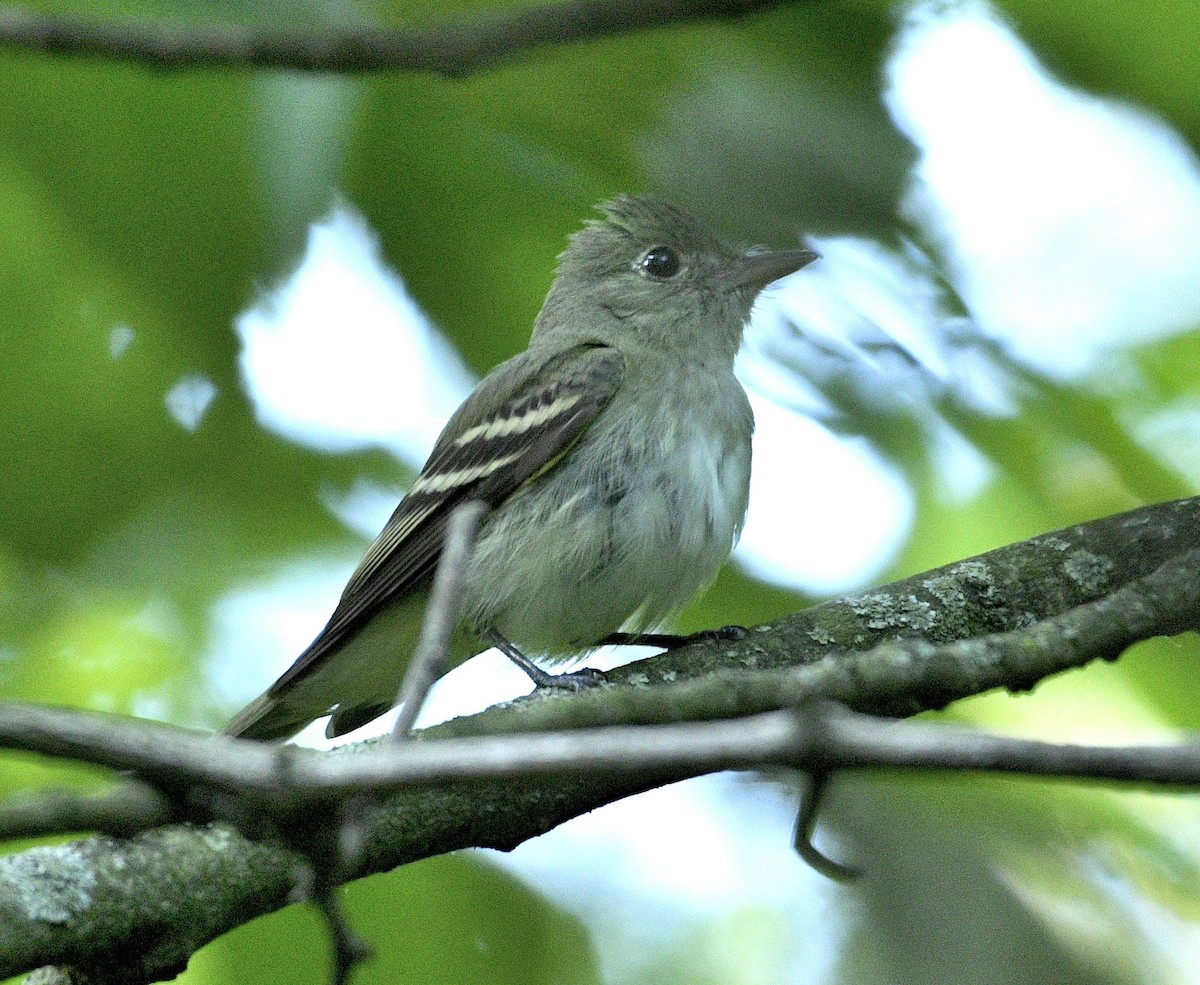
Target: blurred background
{"type": "Point", "coordinates": [239, 306]}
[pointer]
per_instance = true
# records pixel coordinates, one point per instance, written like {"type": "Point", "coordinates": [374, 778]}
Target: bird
{"type": "Point", "coordinates": [612, 455]}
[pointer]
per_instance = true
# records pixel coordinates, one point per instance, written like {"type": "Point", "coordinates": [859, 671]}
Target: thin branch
{"type": "Point", "coordinates": [348, 948]}
{"type": "Point", "coordinates": [453, 48]}
{"type": "Point", "coordinates": [325, 872]}
{"type": "Point", "coordinates": [441, 615]}
{"type": "Point", "coordinates": [828, 740]}
{"type": "Point", "coordinates": [855, 741]}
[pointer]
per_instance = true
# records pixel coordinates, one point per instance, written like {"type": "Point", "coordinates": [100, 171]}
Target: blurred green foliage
{"type": "Point", "coordinates": [442, 922]}
{"type": "Point", "coordinates": [151, 207]}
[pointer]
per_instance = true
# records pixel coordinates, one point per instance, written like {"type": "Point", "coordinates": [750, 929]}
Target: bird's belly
{"type": "Point", "coordinates": [629, 546]}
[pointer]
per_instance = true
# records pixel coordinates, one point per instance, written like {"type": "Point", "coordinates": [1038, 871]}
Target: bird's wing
{"type": "Point", "coordinates": [482, 454]}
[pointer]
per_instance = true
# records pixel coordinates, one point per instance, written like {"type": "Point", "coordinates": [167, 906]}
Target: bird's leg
{"type": "Point", "coordinates": [575, 680]}
{"type": "Point", "coordinates": [672, 641]}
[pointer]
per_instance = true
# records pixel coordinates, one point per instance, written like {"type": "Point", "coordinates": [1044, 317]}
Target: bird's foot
{"type": "Point", "coordinates": [575, 680]}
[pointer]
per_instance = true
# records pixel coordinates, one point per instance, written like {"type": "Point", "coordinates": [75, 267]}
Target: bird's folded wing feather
{"type": "Point", "coordinates": [538, 412]}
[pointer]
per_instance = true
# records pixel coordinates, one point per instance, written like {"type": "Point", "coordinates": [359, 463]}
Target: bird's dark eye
{"type": "Point", "coordinates": [659, 262]}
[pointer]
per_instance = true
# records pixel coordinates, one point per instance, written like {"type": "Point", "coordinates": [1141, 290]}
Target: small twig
{"type": "Point", "coordinates": [452, 49]}
{"type": "Point", "coordinates": [326, 840]}
{"type": "Point", "coordinates": [348, 948]}
{"type": "Point", "coordinates": [806, 826]}
{"type": "Point", "coordinates": [441, 615]}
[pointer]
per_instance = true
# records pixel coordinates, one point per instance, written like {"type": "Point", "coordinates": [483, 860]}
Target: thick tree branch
{"type": "Point", "coordinates": [1098, 579]}
{"type": "Point", "coordinates": [1003, 619]}
{"type": "Point", "coordinates": [451, 49]}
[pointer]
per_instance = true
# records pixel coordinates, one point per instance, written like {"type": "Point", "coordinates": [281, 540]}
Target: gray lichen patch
{"type": "Point", "coordinates": [821, 636]}
{"type": "Point", "coordinates": [1091, 572]}
{"type": "Point", "coordinates": [946, 589]}
{"type": "Point", "coordinates": [51, 884]}
{"type": "Point", "coordinates": [882, 610]}
{"type": "Point", "coordinates": [979, 581]}
{"type": "Point", "coordinates": [953, 612]}
{"type": "Point", "coordinates": [973, 571]}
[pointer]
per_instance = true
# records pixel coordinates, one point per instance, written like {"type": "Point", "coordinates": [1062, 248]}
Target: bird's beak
{"type": "Point", "coordinates": [758, 268]}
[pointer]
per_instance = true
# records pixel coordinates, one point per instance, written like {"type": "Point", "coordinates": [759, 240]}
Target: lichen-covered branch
{"type": "Point", "coordinates": [972, 603]}
{"type": "Point", "coordinates": [1007, 618]}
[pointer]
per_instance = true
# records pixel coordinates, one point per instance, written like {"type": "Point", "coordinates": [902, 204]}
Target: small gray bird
{"type": "Point", "coordinates": [613, 455]}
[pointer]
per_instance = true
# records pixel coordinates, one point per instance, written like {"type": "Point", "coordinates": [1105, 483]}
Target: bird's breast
{"type": "Point", "coordinates": [626, 529]}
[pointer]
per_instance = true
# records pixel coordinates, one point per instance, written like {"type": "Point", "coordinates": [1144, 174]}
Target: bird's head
{"type": "Point", "coordinates": [650, 273]}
